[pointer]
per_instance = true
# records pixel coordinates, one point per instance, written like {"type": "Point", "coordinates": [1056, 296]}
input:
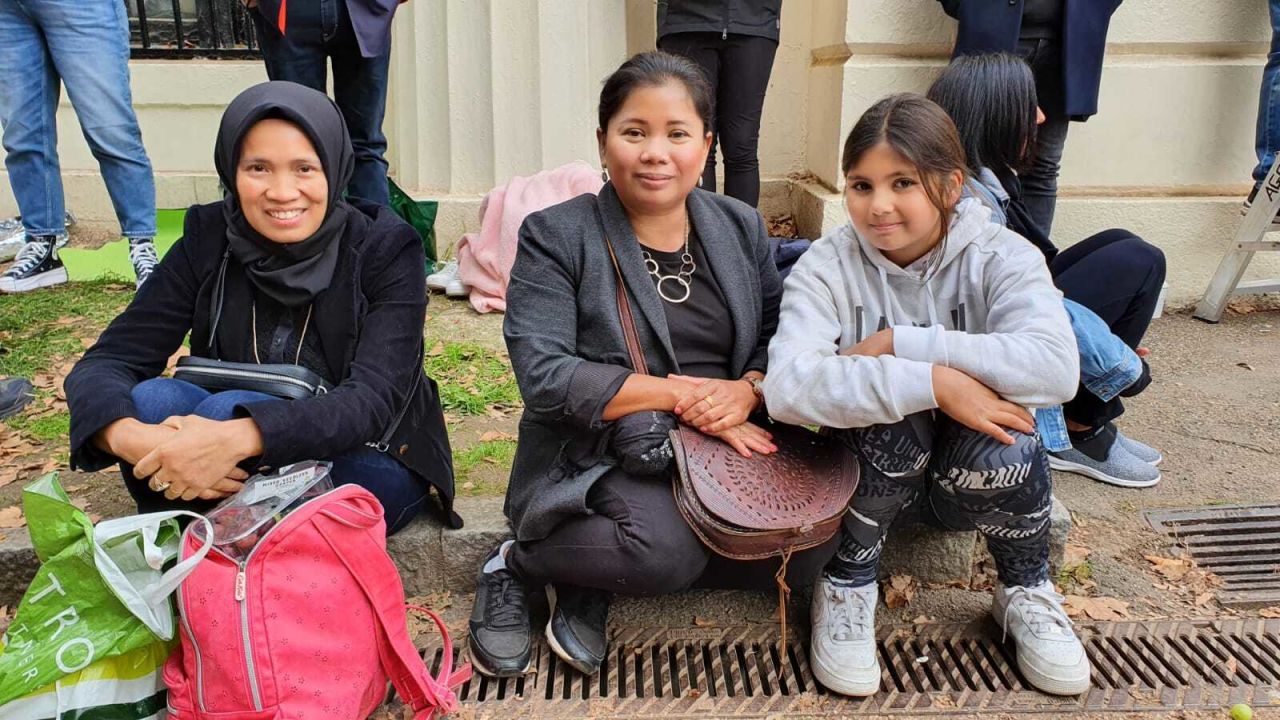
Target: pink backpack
{"type": "Point", "coordinates": [311, 625]}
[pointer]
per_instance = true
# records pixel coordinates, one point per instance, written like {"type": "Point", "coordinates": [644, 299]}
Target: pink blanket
{"type": "Point", "coordinates": [485, 259]}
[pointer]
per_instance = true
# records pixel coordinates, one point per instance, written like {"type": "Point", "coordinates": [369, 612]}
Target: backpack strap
{"type": "Point", "coordinates": [367, 561]}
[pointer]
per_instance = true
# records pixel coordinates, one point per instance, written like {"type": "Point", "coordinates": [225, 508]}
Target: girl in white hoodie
{"type": "Point", "coordinates": [923, 333]}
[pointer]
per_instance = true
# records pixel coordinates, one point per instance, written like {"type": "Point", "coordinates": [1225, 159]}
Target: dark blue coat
{"type": "Point", "coordinates": [993, 26]}
{"type": "Point", "coordinates": [371, 20]}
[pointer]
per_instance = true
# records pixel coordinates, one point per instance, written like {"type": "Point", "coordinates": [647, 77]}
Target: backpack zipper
{"type": "Point", "coordinates": [195, 648]}
{"type": "Point", "coordinates": [244, 629]}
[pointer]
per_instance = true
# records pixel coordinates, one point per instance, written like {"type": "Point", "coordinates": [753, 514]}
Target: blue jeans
{"type": "Point", "coordinates": [401, 494]}
{"type": "Point", "coordinates": [318, 31]}
{"type": "Point", "coordinates": [85, 45]}
{"type": "Point", "coordinates": [1268, 134]}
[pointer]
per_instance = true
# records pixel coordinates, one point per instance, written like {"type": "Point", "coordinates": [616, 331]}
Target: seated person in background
{"type": "Point", "coordinates": [284, 270]}
{"type": "Point", "coordinates": [1115, 275]}
{"type": "Point", "coordinates": [590, 497]}
{"type": "Point", "coordinates": [920, 333]}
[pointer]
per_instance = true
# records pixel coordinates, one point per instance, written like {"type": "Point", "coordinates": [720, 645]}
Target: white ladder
{"type": "Point", "coordinates": [1249, 239]}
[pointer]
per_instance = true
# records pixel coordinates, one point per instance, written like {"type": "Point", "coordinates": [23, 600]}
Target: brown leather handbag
{"type": "Point", "coordinates": [758, 507]}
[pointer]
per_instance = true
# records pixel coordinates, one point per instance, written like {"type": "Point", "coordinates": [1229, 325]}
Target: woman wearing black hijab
{"type": "Point", "coordinates": [284, 270]}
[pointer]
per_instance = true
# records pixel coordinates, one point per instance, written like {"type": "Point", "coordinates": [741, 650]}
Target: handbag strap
{"type": "Point", "coordinates": [628, 321]}
{"type": "Point", "coordinates": [427, 696]}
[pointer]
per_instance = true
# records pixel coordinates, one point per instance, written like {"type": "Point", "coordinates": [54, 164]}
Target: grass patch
{"type": "Point", "coordinates": [41, 328]}
{"type": "Point", "coordinates": [473, 379]}
{"type": "Point", "coordinates": [47, 428]}
{"type": "Point", "coordinates": [481, 469]}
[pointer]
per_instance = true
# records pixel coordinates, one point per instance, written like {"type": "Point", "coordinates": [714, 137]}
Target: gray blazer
{"type": "Point", "coordinates": [566, 342]}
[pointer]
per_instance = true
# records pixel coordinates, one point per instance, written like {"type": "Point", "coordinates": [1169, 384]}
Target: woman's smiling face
{"type": "Point", "coordinates": [655, 147]}
{"type": "Point", "coordinates": [280, 182]}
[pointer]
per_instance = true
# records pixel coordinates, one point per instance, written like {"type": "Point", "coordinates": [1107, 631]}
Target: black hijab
{"type": "Point", "coordinates": [290, 273]}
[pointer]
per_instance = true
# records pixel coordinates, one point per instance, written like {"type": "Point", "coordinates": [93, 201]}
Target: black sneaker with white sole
{"type": "Point", "coordinates": [15, 394]}
{"type": "Point", "coordinates": [36, 266]}
{"type": "Point", "coordinates": [577, 628]}
{"type": "Point", "coordinates": [500, 633]}
{"type": "Point", "coordinates": [142, 253]}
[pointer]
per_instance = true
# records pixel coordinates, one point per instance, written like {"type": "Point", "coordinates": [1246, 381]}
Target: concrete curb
{"type": "Point", "coordinates": [434, 559]}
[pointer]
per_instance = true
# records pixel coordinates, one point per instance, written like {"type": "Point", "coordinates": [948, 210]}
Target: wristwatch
{"type": "Point", "coordinates": [757, 388]}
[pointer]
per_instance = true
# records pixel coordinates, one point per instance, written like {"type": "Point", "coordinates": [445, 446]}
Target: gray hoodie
{"type": "Point", "coordinates": [989, 309]}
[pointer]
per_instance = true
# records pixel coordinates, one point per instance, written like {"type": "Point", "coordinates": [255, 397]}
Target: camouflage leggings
{"type": "Point", "coordinates": [969, 479]}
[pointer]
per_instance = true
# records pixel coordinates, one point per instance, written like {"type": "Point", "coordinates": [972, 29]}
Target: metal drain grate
{"type": "Point", "coordinates": [929, 669]}
{"type": "Point", "coordinates": [1240, 544]}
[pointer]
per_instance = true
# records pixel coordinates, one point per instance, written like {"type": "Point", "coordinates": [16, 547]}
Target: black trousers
{"type": "Point", "coordinates": [967, 478]}
{"type": "Point", "coordinates": [635, 542]}
{"type": "Point", "coordinates": [738, 68]}
{"type": "Point", "coordinates": [1040, 181]}
{"type": "Point", "coordinates": [1118, 276]}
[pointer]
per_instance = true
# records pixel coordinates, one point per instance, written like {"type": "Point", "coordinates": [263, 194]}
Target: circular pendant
{"type": "Point", "coordinates": [684, 287]}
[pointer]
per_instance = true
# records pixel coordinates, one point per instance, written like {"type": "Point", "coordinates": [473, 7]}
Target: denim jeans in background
{"type": "Point", "coordinates": [1268, 137]}
{"type": "Point", "coordinates": [320, 30]}
{"type": "Point", "coordinates": [401, 494]}
{"type": "Point", "coordinates": [85, 45]}
{"type": "Point", "coordinates": [1040, 181]}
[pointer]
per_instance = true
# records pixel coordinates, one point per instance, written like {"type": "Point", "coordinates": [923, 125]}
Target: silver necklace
{"type": "Point", "coordinates": [681, 278]}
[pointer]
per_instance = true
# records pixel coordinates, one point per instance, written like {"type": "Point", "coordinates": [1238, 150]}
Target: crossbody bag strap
{"type": "Point", "coordinates": [629, 332]}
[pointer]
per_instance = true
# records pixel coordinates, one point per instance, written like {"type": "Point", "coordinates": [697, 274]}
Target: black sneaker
{"type": "Point", "coordinates": [142, 253]}
{"type": "Point", "coordinates": [501, 632]}
{"type": "Point", "coordinates": [36, 266]}
{"type": "Point", "coordinates": [576, 630]}
{"type": "Point", "coordinates": [15, 393]}
{"type": "Point", "coordinates": [1248, 204]}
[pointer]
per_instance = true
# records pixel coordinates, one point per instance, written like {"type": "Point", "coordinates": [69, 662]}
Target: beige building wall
{"type": "Point", "coordinates": [482, 90]}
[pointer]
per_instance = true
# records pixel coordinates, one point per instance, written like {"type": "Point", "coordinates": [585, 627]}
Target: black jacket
{"type": "Point", "coordinates": [988, 26]}
{"type": "Point", "coordinates": [370, 19]}
{"type": "Point", "coordinates": [369, 323]}
{"type": "Point", "coordinates": [760, 18]}
{"type": "Point", "coordinates": [566, 342]}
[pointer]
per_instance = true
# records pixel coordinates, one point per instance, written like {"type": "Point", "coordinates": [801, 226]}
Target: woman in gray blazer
{"type": "Point", "coordinates": [590, 495]}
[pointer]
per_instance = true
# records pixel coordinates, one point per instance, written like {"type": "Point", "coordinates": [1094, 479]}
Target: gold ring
{"type": "Point", "coordinates": [710, 403]}
{"type": "Point", "coordinates": [161, 487]}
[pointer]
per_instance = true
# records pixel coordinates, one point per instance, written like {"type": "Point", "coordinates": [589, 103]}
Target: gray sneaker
{"type": "Point", "coordinates": [13, 236]}
{"type": "Point", "coordinates": [1121, 467]}
{"type": "Point", "coordinates": [1142, 451]}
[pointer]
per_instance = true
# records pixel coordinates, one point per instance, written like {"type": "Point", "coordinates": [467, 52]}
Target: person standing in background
{"type": "Point", "coordinates": [1268, 133]}
{"type": "Point", "coordinates": [84, 45]}
{"type": "Point", "coordinates": [1044, 33]}
{"type": "Point", "coordinates": [734, 42]}
{"type": "Point", "coordinates": [299, 38]}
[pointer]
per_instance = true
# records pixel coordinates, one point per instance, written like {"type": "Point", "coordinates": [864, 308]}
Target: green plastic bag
{"type": "Point", "coordinates": [421, 214]}
{"type": "Point", "coordinates": [100, 592]}
{"type": "Point", "coordinates": [125, 687]}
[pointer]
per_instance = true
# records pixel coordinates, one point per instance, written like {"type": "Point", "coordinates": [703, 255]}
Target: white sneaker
{"type": "Point", "coordinates": [842, 648]}
{"type": "Point", "coordinates": [1050, 655]}
{"type": "Point", "coordinates": [455, 289]}
{"type": "Point", "coordinates": [440, 279]}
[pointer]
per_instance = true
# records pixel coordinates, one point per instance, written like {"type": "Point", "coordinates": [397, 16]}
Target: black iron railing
{"type": "Point", "coordinates": [191, 28]}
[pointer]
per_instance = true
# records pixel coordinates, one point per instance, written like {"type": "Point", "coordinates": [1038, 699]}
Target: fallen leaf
{"type": "Point", "coordinates": [495, 412]}
{"type": "Point", "coordinates": [1204, 598]}
{"type": "Point", "coordinates": [436, 349]}
{"type": "Point", "coordinates": [899, 591]}
{"type": "Point", "coordinates": [943, 701]}
{"type": "Point", "coordinates": [1074, 555]}
{"type": "Point", "coordinates": [1171, 568]}
{"type": "Point", "coordinates": [468, 485]}
{"type": "Point", "coordinates": [922, 620]}
{"type": "Point", "coordinates": [11, 517]}
{"type": "Point", "coordinates": [1270, 612]}
{"type": "Point", "coordinates": [82, 503]}
{"type": "Point", "coordinates": [1244, 365]}
{"type": "Point", "coordinates": [703, 622]}
{"type": "Point", "coordinates": [493, 435]}
{"type": "Point", "coordinates": [1231, 666]}
{"type": "Point", "coordinates": [8, 475]}
{"type": "Point", "coordinates": [76, 488]}
{"type": "Point", "coordinates": [1096, 608]}
{"type": "Point", "coordinates": [95, 518]}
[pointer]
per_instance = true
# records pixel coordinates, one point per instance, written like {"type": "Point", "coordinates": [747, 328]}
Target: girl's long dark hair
{"type": "Point", "coordinates": [992, 100]}
{"type": "Point", "coordinates": [922, 133]}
